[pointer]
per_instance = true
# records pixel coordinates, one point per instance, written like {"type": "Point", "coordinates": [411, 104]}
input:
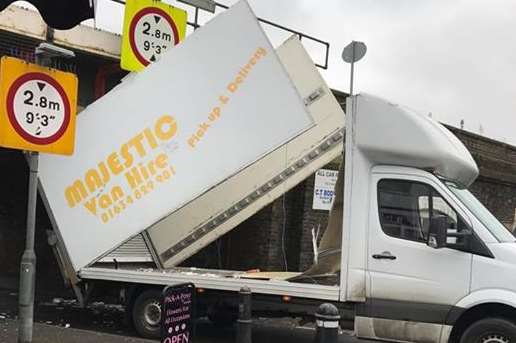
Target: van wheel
{"type": "Point", "coordinates": [147, 314]}
{"type": "Point", "coordinates": [490, 330]}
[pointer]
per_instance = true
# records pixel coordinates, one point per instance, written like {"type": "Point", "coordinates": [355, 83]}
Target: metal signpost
{"type": "Point", "coordinates": [37, 115]}
{"type": "Point", "coordinates": [150, 28]}
{"type": "Point", "coordinates": [352, 53]}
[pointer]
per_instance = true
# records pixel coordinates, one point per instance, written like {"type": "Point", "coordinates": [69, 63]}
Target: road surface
{"type": "Point", "coordinates": [63, 321]}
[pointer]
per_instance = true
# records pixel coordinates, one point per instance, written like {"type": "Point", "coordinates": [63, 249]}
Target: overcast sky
{"type": "Point", "coordinates": [453, 58]}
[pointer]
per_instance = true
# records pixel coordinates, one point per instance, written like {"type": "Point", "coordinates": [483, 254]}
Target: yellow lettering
{"type": "Point", "coordinates": [91, 205]}
{"type": "Point", "coordinates": [160, 131]}
{"type": "Point", "coordinates": [93, 181]}
{"type": "Point", "coordinates": [126, 155]}
{"type": "Point", "coordinates": [232, 87]}
{"type": "Point", "coordinates": [192, 140]}
{"type": "Point", "coordinates": [133, 177]}
{"type": "Point", "coordinates": [105, 201]}
{"type": "Point", "coordinates": [162, 161]}
{"type": "Point", "coordinates": [261, 52]}
{"type": "Point", "coordinates": [152, 167]}
{"type": "Point", "coordinates": [75, 193]}
{"type": "Point", "coordinates": [150, 138]}
{"type": "Point", "coordinates": [114, 164]}
{"type": "Point", "coordinates": [215, 114]}
{"type": "Point", "coordinates": [104, 172]}
{"type": "Point", "coordinates": [223, 99]}
{"type": "Point", "coordinates": [136, 141]}
{"type": "Point", "coordinates": [143, 171]}
{"type": "Point", "coordinates": [117, 193]}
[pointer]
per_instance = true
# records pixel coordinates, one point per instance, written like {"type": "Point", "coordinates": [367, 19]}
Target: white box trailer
{"type": "Point", "coordinates": [409, 253]}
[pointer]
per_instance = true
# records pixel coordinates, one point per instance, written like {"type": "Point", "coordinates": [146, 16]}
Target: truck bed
{"type": "Point", "coordinates": [213, 279]}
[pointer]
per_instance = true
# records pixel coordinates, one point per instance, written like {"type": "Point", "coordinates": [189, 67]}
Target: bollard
{"type": "Point", "coordinates": [244, 322]}
{"type": "Point", "coordinates": [327, 324]}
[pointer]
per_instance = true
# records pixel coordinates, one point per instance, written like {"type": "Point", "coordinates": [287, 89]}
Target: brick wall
{"type": "Point", "coordinates": [496, 186]}
{"type": "Point", "coordinates": [263, 241]}
{"type": "Point", "coordinates": [280, 230]}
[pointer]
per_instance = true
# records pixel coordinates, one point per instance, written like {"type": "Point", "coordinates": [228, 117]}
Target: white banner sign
{"type": "Point", "coordinates": [209, 107]}
{"type": "Point", "coordinates": [324, 189]}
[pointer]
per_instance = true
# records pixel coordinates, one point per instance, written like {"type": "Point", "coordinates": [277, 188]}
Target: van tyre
{"type": "Point", "coordinates": [147, 314]}
{"type": "Point", "coordinates": [490, 330]}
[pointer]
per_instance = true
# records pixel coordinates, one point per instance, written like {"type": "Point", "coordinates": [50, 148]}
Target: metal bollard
{"type": "Point", "coordinates": [327, 321]}
{"type": "Point", "coordinates": [244, 322]}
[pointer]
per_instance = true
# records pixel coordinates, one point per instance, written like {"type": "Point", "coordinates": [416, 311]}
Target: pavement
{"type": "Point", "coordinates": [61, 320]}
{"type": "Point", "coordinates": [206, 333]}
{"type": "Point", "coordinates": [44, 333]}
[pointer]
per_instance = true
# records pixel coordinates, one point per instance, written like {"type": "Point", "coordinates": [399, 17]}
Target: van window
{"type": "Point", "coordinates": [483, 215]}
{"type": "Point", "coordinates": [405, 209]}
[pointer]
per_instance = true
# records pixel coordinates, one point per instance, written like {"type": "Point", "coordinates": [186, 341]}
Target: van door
{"type": "Point", "coordinates": [412, 287]}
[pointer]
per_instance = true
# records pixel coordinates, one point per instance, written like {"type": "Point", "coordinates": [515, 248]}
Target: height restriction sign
{"type": "Point", "coordinates": [37, 107]}
{"type": "Point", "coordinates": [150, 28]}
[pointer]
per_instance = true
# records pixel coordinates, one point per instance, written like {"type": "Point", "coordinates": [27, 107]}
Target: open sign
{"type": "Point", "coordinates": [177, 318]}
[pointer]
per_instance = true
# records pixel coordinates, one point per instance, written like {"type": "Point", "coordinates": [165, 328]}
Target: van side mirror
{"type": "Point", "coordinates": [440, 235]}
{"type": "Point", "coordinates": [437, 232]}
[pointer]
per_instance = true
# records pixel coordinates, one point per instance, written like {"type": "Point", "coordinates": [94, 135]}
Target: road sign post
{"type": "Point", "coordinates": [28, 261]}
{"type": "Point", "coordinates": [353, 52]}
{"type": "Point", "coordinates": [37, 114]}
{"type": "Point", "coordinates": [150, 28]}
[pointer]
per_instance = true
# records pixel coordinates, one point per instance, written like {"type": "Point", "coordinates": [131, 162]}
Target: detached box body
{"type": "Point", "coordinates": [209, 108]}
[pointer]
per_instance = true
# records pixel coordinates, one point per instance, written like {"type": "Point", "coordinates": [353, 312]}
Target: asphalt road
{"type": "Point", "coordinates": [63, 321]}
